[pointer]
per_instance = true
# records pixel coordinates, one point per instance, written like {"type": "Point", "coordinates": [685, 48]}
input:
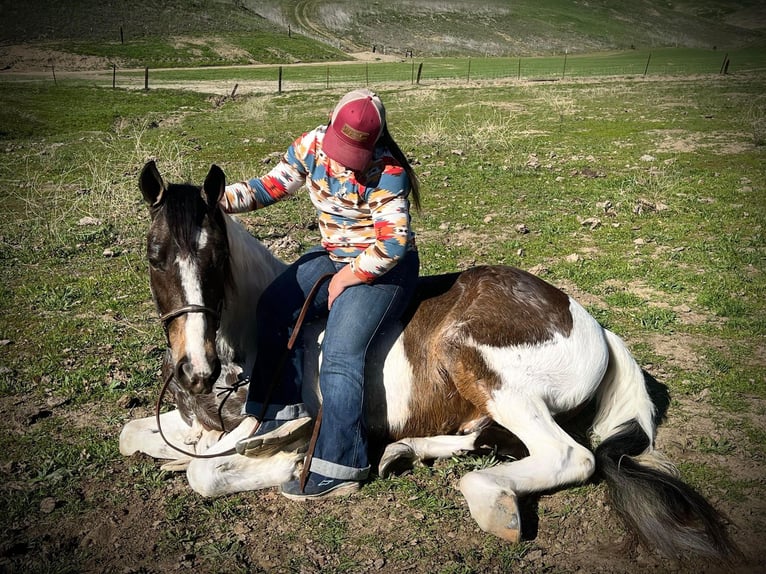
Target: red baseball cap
{"type": "Point", "coordinates": [355, 126]}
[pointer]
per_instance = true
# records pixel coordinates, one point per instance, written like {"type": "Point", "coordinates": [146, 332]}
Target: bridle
{"type": "Point", "coordinates": [165, 320]}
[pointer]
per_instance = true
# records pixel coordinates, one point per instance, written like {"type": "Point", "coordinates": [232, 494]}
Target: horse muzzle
{"type": "Point", "coordinates": [197, 380]}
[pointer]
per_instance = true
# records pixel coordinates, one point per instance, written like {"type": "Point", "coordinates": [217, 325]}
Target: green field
{"type": "Point", "coordinates": [597, 144]}
{"type": "Point", "coordinates": [644, 198]}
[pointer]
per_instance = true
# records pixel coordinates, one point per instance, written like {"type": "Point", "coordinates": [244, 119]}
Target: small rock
{"type": "Point", "coordinates": [89, 221]}
{"type": "Point", "coordinates": [47, 505]}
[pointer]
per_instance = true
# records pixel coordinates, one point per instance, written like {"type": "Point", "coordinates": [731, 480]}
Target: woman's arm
{"type": "Point", "coordinates": [283, 180]}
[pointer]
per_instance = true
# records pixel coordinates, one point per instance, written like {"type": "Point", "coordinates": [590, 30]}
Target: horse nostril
{"type": "Point", "coordinates": [183, 372]}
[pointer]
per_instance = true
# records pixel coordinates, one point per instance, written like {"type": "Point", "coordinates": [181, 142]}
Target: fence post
{"type": "Point", "coordinates": [646, 68]}
{"type": "Point", "coordinates": [723, 64]}
{"type": "Point", "coordinates": [367, 74]}
{"type": "Point", "coordinates": [518, 77]}
{"type": "Point", "coordinates": [53, 71]}
{"type": "Point", "coordinates": [279, 82]}
{"type": "Point", "coordinates": [420, 70]}
{"type": "Point", "coordinates": [114, 76]}
{"type": "Point", "coordinates": [146, 78]}
{"type": "Point", "coordinates": [468, 79]}
{"type": "Point", "coordinates": [327, 76]}
{"type": "Point", "coordinates": [564, 71]}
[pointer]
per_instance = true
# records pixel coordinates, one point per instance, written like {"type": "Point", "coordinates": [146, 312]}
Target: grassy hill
{"type": "Point", "coordinates": [206, 32]}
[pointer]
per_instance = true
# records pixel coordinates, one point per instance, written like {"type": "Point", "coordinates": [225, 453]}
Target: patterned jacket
{"type": "Point", "coordinates": [366, 224]}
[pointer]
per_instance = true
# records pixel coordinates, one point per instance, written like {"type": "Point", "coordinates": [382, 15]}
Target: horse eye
{"type": "Point", "coordinates": [156, 260]}
{"type": "Point", "coordinates": [157, 265]}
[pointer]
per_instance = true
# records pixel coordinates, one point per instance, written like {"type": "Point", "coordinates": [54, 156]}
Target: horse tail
{"type": "Point", "coordinates": [663, 511]}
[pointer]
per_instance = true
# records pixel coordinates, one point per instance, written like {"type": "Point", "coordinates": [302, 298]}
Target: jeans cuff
{"type": "Point", "coordinates": [276, 412]}
{"type": "Point", "coordinates": [333, 470]}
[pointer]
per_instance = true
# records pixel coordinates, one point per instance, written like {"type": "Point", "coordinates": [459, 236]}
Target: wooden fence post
{"type": "Point", "coordinates": [146, 78]}
{"type": "Point", "coordinates": [646, 68]}
{"type": "Point", "coordinates": [114, 76]}
{"type": "Point", "coordinates": [53, 71]}
{"type": "Point", "coordinates": [723, 64]}
{"type": "Point", "coordinates": [420, 71]}
{"type": "Point", "coordinates": [279, 83]}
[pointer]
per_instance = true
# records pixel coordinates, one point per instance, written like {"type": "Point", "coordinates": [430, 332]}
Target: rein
{"type": "Point", "coordinates": [164, 319]}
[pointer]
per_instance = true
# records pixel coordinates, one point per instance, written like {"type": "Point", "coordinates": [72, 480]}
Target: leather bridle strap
{"type": "Point", "coordinates": [169, 316]}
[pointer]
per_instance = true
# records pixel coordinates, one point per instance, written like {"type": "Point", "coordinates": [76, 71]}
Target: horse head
{"type": "Point", "coordinates": [187, 250]}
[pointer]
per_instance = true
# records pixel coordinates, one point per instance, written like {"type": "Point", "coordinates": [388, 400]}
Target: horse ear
{"type": "Point", "coordinates": [151, 184]}
{"type": "Point", "coordinates": [214, 186]}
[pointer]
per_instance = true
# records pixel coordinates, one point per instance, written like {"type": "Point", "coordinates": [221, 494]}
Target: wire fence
{"type": "Point", "coordinates": [436, 71]}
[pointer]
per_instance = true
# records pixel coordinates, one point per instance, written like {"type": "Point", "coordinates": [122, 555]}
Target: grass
{"type": "Point", "coordinates": [677, 254]}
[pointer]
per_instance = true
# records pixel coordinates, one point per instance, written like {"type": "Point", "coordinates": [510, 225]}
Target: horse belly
{"type": "Point", "coordinates": [388, 385]}
{"type": "Point", "coordinates": [564, 371]}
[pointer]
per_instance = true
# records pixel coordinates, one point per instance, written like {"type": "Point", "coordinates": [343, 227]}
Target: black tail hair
{"type": "Point", "coordinates": [664, 512]}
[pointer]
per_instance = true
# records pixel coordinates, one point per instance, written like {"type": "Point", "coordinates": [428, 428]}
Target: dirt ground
{"type": "Point", "coordinates": [128, 531]}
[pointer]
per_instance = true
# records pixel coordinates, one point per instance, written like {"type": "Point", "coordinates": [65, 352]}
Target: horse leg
{"type": "Point", "coordinates": [231, 473]}
{"type": "Point", "coordinates": [554, 459]}
{"type": "Point", "coordinates": [142, 435]}
{"type": "Point", "coordinates": [404, 453]}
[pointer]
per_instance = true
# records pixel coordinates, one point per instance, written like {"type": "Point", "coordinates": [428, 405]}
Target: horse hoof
{"type": "Point", "coordinates": [506, 522]}
{"type": "Point", "coordinates": [495, 510]}
{"type": "Point", "coordinates": [397, 458]}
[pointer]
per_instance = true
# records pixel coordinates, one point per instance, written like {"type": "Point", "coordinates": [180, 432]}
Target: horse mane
{"type": "Point", "coordinates": [250, 268]}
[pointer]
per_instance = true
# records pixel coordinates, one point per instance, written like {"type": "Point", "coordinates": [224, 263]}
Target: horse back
{"type": "Point", "coordinates": [450, 319]}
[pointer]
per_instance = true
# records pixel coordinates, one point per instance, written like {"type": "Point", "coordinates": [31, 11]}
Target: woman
{"type": "Point", "coordinates": [361, 185]}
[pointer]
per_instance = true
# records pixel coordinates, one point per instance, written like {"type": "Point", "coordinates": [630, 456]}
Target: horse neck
{"type": "Point", "coordinates": [252, 268]}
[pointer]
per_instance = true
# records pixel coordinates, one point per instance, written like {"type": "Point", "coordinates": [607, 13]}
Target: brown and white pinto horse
{"type": "Point", "coordinates": [490, 345]}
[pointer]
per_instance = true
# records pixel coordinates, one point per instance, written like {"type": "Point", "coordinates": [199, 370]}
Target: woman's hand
{"type": "Point", "coordinates": [342, 279]}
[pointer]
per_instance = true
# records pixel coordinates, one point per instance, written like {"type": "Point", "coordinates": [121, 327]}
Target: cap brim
{"type": "Point", "coordinates": [351, 156]}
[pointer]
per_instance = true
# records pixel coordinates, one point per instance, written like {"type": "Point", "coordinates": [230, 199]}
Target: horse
{"type": "Point", "coordinates": [491, 346]}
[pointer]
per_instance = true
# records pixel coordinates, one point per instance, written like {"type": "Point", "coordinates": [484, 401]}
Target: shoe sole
{"type": "Point", "coordinates": [269, 443]}
{"type": "Point", "coordinates": [342, 489]}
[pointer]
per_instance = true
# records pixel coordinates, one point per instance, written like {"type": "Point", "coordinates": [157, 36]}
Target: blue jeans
{"type": "Point", "coordinates": [355, 318]}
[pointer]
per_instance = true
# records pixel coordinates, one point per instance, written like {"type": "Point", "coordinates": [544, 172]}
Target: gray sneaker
{"type": "Point", "coordinates": [318, 486]}
{"type": "Point", "coordinates": [275, 435]}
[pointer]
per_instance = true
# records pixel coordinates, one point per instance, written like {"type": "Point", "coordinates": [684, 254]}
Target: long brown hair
{"type": "Point", "coordinates": [388, 141]}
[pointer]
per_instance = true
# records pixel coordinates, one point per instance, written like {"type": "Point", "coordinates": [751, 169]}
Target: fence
{"type": "Point", "coordinates": [450, 70]}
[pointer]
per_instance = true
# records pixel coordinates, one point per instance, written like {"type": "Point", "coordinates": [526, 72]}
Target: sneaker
{"type": "Point", "coordinates": [274, 435]}
{"type": "Point", "coordinates": [318, 486]}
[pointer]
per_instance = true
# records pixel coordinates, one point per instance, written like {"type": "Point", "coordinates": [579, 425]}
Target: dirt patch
{"type": "Point", "coordinates": [682, 141]}
{"type": "Point", "coordinates": [34, 59]}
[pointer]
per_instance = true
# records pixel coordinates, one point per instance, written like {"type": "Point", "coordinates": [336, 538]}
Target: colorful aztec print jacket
{"type": "Point", "coordinates": [367, 225]}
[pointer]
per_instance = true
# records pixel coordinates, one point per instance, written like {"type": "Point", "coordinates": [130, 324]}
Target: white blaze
{"type": "Point", "coordinates": [195, 322]}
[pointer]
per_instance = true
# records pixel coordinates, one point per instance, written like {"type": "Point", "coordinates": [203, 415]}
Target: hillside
{"type": "Point", "coordinates": [210, 32]}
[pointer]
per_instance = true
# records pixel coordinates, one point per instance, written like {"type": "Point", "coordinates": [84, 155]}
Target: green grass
{"type": "Point", "coordinates": [677, 255]}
